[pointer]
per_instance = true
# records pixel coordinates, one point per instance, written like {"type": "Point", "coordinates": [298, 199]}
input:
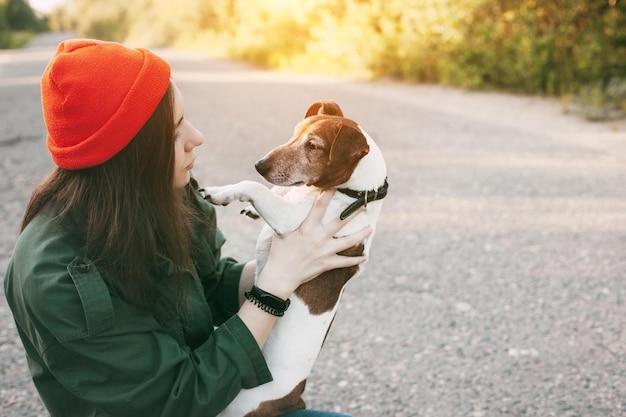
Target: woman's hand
{"type": "Point", "coordinates": [308, 251]}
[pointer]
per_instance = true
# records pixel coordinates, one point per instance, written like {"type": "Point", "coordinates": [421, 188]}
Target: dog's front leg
{"type": "Point", "coordinates": [280, 214]}
{"type": "Point", "coordinates": [244, 191]}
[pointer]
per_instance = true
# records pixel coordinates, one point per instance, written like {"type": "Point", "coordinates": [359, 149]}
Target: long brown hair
{"type": "Point", "coordinates": [129, 213]}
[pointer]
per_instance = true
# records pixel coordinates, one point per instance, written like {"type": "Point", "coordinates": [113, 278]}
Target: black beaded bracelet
{"type": "Point", "coordinates": [267, 302]}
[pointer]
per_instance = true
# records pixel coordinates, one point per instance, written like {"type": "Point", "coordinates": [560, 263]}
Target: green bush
{"type": "Point", "coordinates": [5, 30]}
{"type": "Point", "coordinates": [21, 17]}
{"type": "Point", "coordinates": [598, 102]}
{"type": "Point", "coordinates": [554, 48]}
{"type": "Point", "coordinates": [18, 23]}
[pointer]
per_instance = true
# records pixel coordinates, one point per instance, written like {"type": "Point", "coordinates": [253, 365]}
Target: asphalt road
{"type": "Point", "coordinates": [495, 285]}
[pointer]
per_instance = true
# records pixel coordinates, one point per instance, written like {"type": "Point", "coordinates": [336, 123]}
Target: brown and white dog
{"type": "Point", "coordinates": [327, 150]}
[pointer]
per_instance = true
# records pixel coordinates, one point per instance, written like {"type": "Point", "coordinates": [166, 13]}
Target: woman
{"type": "Point", "coordinates": [116, 282]}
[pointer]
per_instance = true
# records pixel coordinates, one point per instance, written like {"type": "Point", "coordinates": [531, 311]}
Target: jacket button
{"type": "Point", "coordinates": [83, 267]}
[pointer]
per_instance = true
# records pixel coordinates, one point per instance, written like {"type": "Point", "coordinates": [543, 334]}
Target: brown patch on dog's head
{"type": "Point", "coordinates": [323, 152]}
{"type": "Point", "coordinates": [346, 150]}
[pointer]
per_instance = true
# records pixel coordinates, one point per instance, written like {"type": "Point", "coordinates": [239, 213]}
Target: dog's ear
{"type": "Point", "coordinates": [345, 153]}
{"type": "Point", "coordinates": [324, 107]}
{"type": "Point", "coordinates": [349, 144]}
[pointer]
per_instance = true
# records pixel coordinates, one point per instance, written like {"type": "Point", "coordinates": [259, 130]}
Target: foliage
{"type": "Point", "coordinates": [552, 47]}
{"type": "Point", "coordinates": [541, 46]}
{"type": "Point", "coordinates": [5, 31]}
{"type": "Point", "coordinates": [597, 101]}
{"type": "Point", "coordinates": [17, 23]}
{"type": "Point", "coordinates": [573, 49]}
{"type": "Point", "coordinates": [21, 17]}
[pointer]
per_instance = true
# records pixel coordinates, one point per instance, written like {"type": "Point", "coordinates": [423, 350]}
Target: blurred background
{"type": "Point", "coordinates": [573, 50]}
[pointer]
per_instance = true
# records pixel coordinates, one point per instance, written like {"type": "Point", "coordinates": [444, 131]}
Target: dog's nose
{"type": "Point", "coordinates": [262, 167]}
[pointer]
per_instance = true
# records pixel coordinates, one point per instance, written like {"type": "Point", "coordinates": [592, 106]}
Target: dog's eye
{"type": "Point", "coordinates": [311, 146]}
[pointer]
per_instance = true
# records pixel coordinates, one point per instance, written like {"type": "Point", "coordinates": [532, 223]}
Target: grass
{"type": "Point", "coordinates": [17, 40]}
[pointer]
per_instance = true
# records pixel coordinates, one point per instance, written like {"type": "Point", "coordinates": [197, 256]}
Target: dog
{"type": "Point", "coordinates": [326, 151]}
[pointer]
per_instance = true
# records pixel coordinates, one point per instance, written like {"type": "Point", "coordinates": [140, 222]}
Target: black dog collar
{"type": "Point", "coordinates": [362, 198]}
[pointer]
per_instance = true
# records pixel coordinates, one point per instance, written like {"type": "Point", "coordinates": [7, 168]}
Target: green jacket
{"type": "Point", "coordinates": [92, 354]}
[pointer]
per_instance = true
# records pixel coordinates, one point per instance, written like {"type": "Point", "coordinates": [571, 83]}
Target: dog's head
{"type": "Point", "coordinates": [323, 152]}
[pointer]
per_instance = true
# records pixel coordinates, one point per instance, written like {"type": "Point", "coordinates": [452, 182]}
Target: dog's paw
{"type": "Point", "coordinates": [221, 196]}
{"type": "Point", "coordinates": [250, 212]}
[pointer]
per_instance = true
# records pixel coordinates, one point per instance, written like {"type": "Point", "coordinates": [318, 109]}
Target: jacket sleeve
{"type": "Point", "coordinates": [224, 307]}
{"type": "Point", "coordinates": [149, 374]}
{"type": "Point", "coordinates": [219, 275]}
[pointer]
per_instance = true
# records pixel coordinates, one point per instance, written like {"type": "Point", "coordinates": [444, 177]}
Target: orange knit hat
{"type": "Point", "coordinates": [96, 96]}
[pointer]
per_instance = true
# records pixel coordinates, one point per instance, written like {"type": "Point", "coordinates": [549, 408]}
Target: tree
{"type": "Point", "coordinates": [5, 30]}
{"type": "Point", "coordinates": [21, 17]}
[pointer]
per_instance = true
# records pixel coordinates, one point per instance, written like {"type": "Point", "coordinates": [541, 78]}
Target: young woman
{"type": "Point", "coordinates": [121, 298]}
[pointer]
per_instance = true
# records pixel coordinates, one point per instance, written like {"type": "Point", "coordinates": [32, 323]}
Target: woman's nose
{"type": "Point", "coordinates": [195, 139]}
